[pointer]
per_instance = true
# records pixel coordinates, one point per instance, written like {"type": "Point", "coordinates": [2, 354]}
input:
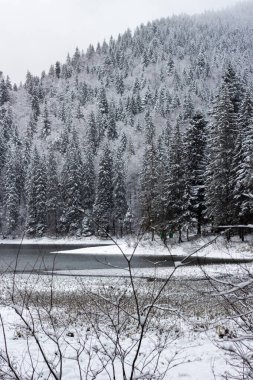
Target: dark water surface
{"type": "Point", "coordinates": [39, 258]}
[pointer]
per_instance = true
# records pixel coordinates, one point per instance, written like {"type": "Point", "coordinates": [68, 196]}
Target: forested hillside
{"type": "Point", "coordinates": [152, 129]}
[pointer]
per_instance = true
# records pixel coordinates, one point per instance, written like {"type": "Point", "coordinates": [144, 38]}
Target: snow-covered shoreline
{"type": "Point", "coordinates": [55, 241]}
{"type": "Point", "coordinates": [218, 249]}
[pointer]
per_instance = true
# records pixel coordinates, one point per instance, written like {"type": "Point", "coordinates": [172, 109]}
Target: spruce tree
{"type": "Point", "coordinates": [103, 206]}
{"type": "Point", "coordinates": [176, 184]}
{"type": "Point", "coordinates": [149, 177]}
{"type": "Point", "coordinates": [36, 196]}
{"type": "Point", "coordinates": [243, 163]}
{"type": "Point", "coordinates": [195, 166]}
{"type": "Point", "coordinates": [221, 145]}
{"type": "Point", "coordinates": [11, 191]}
{"type": "Point", "coordinates": [46, 123]}
{"type": "Point", "coordinates": [72, 189]}
{"type": "Point", "coordinates": [53, 205]}
{"type": "Point", "coordinates": [111, 125]}
{"type": "Point", "coordinates": [119, 193]}
{"type": "Point", "coordinates": [102, 101]}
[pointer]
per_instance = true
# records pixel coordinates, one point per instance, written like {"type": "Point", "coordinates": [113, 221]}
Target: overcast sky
{"type": "Point", "coordinates": [37, 33]}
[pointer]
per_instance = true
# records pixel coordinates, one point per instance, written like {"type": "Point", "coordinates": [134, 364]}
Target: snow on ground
{"type": "Point", "coordinates": [235, 249]}
{"type": "Point", "coordinates": [198, 356]}
{"type": "Point", "coordinates": [193, 340]}
{"type": "Point", "coordinates": [195, 271]}
{"type": "Point", "coordinates": [57, 241]}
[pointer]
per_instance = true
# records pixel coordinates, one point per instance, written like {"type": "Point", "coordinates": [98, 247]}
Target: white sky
{"type": "Point", "coordinates": [36, 33]}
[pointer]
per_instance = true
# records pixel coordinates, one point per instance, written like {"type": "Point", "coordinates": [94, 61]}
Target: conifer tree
{"type": "Point", "coordinates": [11, 191]}
{"type": "Point", "coordinates": [103, 206]}
{"type": "Point", "coordinates": [88, 179]}
{"type": "Point", "coordinates": [119, 84]}
{"type": "Point", "coordinates": [7, 121]}
{"type": "Point", "coordinates": [92, 138]}
{"type": "Point", "coordinates": [4, 92]}
{"type": "Point", "coordinates": [36, 196]}
{"type": "Point", "coordinates": [111, 125]}
{"type": "Point", "coordinates": [162, 163]}
{"type": "Point", "coordinates": [149, 176]}
{"type": "Point", "coordinates": [119, 193]}
{"type": "Point", "coordinates": [53, 204]}
{"type": "Point", "coordinates": [176, 184]}
{"type": "Point", "coordinates": [72, 189]}
{"type": "Point", "coordinates": [243, 163]}
{"type": "Point", "coordinates": [58, 69]}
{"type": "Point", "coordinates": [46, 124]}
{"type": "Point", "coordinates": [102, 101]}
{"type": "Point", "coordinates": [3, 148]}
{"type": "Point", "coordinates": [195, 168]}
{"type": "Point", "coordinates": [221, 139]}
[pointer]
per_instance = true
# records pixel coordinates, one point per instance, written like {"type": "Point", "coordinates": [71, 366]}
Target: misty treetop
{"type": "Point", "coordinates": [152, 129]}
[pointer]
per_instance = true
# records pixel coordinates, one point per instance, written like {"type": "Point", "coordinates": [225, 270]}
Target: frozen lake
{"type": "Point", "coordinates": [39, 258]}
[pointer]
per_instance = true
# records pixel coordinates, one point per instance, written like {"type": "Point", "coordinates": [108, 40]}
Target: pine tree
{"type": "Point", "coordinates": [46, 123]}
{"type": "Point", "coordinates": [103, 206]}
{"type": "Point", "coordinates": [11, 191]}
{"type": "Point", "coordinates": [35, 107]}
{"type": "Point", "coordinates": [88, 179]}
{"type": "Point", "coordinates": [119, 193]}
{"type": "Point", "coordinates": [7, 121]}
{"type": "Point", "coordinates": [111, 125]}
{"type": "Point", "coordinates": [58, 69]}
{"type": "Point", "coordinates": [36, 196]}
{"type": "Point", "coordinates": [3, 149]}
{"type": "Point", "coordinates": [92, 138]}
{"type": "Point", "coordinates": [72, 189]}
{"type": "Point", "coordinates": [195, 168]}
{"type": "Point", "coordinates": [176, 185]}
{"type": "Point", "coordinates": [162, 167]}
{"type": "Point", "coordinates": [119, 84]}
{"type": "Point", "coordinates": [4, 92]}
{"type": "Point", "coordinates": [221, 145]}
{"type": "Point", "coordinates": [243, 163]}
{"type": "Point", "coordinates": [234, 87]}
{"type": "Point", "coordinates": [149, 177]}
{"type": "Point", "coordinates": [102, 101]}
{"type": "Point", "coordinates": [53, 204]}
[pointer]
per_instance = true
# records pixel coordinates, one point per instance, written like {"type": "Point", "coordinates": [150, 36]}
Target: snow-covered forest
{"type": "Point", "coordinates": [152, 129]}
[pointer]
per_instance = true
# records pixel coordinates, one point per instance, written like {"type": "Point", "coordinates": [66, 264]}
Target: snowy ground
{"type": "Point", "coordinates": [195, 354]}
{"type": "Point", "coordinates": [79, 313]}
{"type": "Point", "coordinates": [57, 241]}
{"type": "Point", "coordinates": [192, 346]}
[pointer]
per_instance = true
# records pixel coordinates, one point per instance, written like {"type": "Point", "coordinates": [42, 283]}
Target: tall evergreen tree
{"type": "Point", "coordinates": [221, 145]}
{"type": "Point", "coordinates": [46, 123]}
{"type": "Point", "coordinates": [102, 101]}
{"type": "Point", "coordinates": [149, 177]}
{"type": "Point", "coordinates": [176, 183]}
{"type": "Point", "coordinates": [4, 92]}
{"type": "Point", "coordinates": [243, 163]}
{"type": "Point", "coordinates": [111, 125]}
{"type": "Point", "coordinates": [72, 189]}
{"type": "Point", "coordinates": [195, 166]}
{"type": "Point", "coordinates": [119, 193]}
{"type": "Point", "coordinates": [11, 190]}
{"type": "Point", "coordinates": [53, 204]}
{"type": "Point", "coordinates": [36, 196]}
{"type": "Point", "coordinates": [103, 206]}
